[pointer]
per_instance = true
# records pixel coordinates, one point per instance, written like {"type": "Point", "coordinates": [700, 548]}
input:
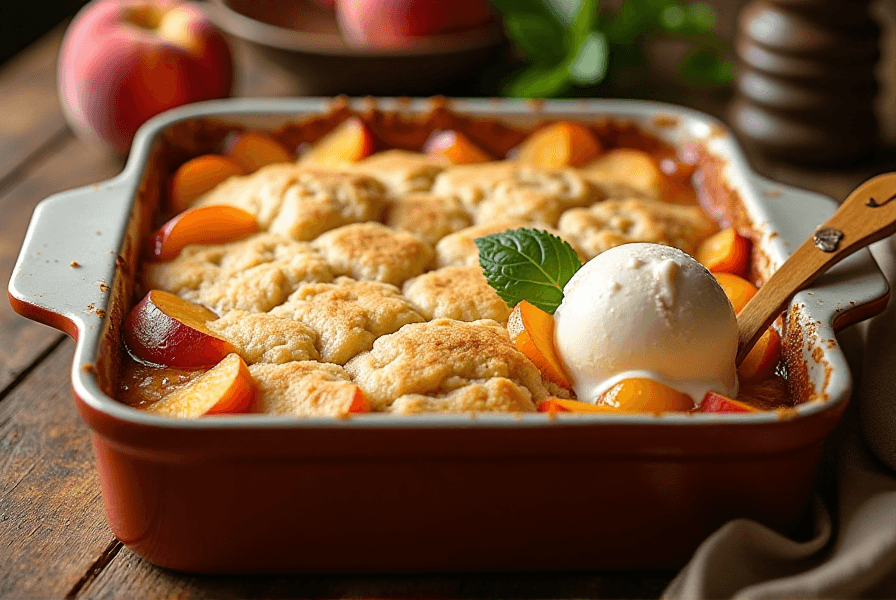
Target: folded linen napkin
{"type": "Point", "coordinates": [852, 549]}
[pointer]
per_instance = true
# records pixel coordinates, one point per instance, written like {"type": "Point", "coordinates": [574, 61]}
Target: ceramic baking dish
{"type": "Point", "coordinates": [436, 493]}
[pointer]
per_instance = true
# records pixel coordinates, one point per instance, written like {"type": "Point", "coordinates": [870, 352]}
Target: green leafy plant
{"type": "Point", "coordinates": [528, 264]}
{"type": "Point", "coordinates": [569, 44]}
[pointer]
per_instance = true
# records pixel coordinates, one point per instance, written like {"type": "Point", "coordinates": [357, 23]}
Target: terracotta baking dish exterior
{"type": "Point", "coordinates": [377, 493]}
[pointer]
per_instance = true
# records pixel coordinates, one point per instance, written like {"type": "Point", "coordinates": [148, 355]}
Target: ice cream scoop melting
{"type": "Point", "coordinates": [669, 320]}
{"type": "Point", "coordinates": [665, 272]}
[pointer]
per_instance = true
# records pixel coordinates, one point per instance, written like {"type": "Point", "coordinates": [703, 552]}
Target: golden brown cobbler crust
{"type": "Point", "coordinates": [318, 287]}
{"type": "Point", "coordinates": [438, 359]}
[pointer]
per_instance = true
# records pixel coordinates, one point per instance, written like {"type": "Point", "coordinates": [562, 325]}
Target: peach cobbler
{"type": "Point", "coordinates": [361, 263]}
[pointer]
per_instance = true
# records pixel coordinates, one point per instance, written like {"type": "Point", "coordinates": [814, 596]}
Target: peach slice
{"type": "Point", "coordinates": [455, 147]}
{"type": "Point", "coordinates": [225, 388]}
{"type": "Point", "coordinates": [348, 143]}
{"type": "Point", "coordinates": [165, 329]}
{"type": "Point", "coordinates": [645, 395]}
{"type": "Point", "coordinates": [202, 225]}
{"type": "Point", "coordinates": [360, 403]}
{"type": "Point", "coordinates": [556, 405]}
{"type": "Point", "coordinates": [762, 359]}
{"type": "Point", "coordinates": [255, 150]}
{"type": "Point", "coordinates": [633, 168]}
{"type": "Point", "coordinates": [738, 289]}
{"type": "Point", "coordinates": [725, 252]}
{"type": "Point", "coordinates": [717, 403]}
{"type": "Point", "coordinates": [552, 405]}
{"type": "Point", "coordinates": [532, 333]}
{"type": "Point", "coordinates": [199, 176]}
{"type": "Point", "coordinates": [563, 144]}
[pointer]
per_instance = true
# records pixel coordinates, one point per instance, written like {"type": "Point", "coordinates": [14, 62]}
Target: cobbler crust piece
{"type": "Point", "coordinates": [498, 394]}
{"type": "Point", "coordinates": [620, 221]}
{"type": "Point", "coordinates": [487, 189]}
{"type": "Point", "coordinates": [254, 274]}
{"type": "Point", "coordinates": [348, 315]}
{"type": "Point", "coordinates": [400, 171]}
{"type": "Point", "coordinates": [427, 216]}
{"type": "Point", "coordinates": [372, 251]}
{"type": "Point", "coordinates": [301, 203]}
{"type": "Point", "coordinates": [536, 195]}
{"type": "Point", "coordinates": [460, 293]}
{"type": "Point", "coordinates": [437, 359]}
{"type": "Point", "coordinates": [262, 337]}
{"type": "Point", "coordinates": [303, 389]}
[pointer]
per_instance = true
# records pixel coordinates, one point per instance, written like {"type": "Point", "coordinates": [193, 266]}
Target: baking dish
{"type": "Point", "coordinates": [443, 492]}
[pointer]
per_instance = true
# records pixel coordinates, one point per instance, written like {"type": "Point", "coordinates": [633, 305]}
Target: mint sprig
{"type": "Point", "coordinates": [567, 47]}
{"type": "Point", "coordinates": [528, 264]}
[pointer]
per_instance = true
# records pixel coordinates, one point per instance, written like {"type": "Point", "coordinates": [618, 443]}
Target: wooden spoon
{"type": "Point", "coordinates": [867, 215]}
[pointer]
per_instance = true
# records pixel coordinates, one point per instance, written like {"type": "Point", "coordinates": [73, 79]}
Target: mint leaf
{"type": "Point", "coordinates": [592, 59]}
{"type": "Point", "coordinates": [538, 81]}
{"type": "Point", "coordinates": [528, 264]}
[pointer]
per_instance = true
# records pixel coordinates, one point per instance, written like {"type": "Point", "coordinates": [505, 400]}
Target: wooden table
{"type": "Point", "coordinates": [54, 540]}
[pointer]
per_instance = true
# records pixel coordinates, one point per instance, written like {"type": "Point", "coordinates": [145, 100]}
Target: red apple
{"type": "Point", "coordinates": [395, 23]}
{"type": "Point", "coordinates": [167, 330]}
{"type": "Point", "coordinates": [717, 403]}
{"type": "Point", "coordinates": [124, 61]}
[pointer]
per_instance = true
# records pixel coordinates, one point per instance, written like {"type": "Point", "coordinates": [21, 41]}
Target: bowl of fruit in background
{"type": "Point", "coordinates": [364, 47]}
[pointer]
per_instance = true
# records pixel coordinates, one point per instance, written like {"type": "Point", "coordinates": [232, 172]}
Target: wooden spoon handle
{"type": "Point", "coordinates": [868, 214]}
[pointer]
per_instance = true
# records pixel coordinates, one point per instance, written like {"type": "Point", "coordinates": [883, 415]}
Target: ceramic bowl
{"type": "Point", "coordinates": [300, 41]}
{"type": "Point", "coordinates": [496, 492]}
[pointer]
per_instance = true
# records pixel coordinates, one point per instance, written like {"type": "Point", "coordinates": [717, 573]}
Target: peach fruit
{"type": "Point", "coordinates": [717, 403]}
{"type": "Point", "coordinates": [225, 388]}
{"type": "Point", "coordinates": [532, 333]}
{"type": "Point", "coordinates": [725, 252]}
{"type": "Point", "coordinates": [556, 405]}
{"type": "Point", "coordinates": [124, 61]}
{"type": "Point", "coordinates": [348, 143]}
{"type": "Point", "coordinates": [738, 289]}
{"type": "Point", "coordinates": [167, 330]}
{"type": "Point", "coordinates": [645, 395]}
{"type": "Point", "coordinates": [255, 150]}
{"type": "Point", "coordinates": [202, 225]}
{"type": "Point", "coordinates": [455, 147]}
{"type": "Point", "coordinates": [199, 176]}
{"type": "Point", "coordinates": [551, 405]}
{"type": "Point", "coordinates": [562, 144]}
{"type": "Point", "coordinates": [360, 403]}
{"type": "Point", "coordinates": [396, 23]}
{"type": "Point", "coordinates": [762, 359]}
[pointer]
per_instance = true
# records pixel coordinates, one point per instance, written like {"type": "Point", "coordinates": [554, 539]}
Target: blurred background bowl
{"type": "Point", "coordinates": [301, 42]}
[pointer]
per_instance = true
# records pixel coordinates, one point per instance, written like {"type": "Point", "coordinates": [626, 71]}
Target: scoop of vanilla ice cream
{"type": "Point", "coordinates": [646, 311]}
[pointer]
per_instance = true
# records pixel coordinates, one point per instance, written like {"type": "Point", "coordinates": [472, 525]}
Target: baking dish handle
{"type": "Point", "coordinates": [65, 269]}
{"type": "Point", "coordinates": [852, 290]}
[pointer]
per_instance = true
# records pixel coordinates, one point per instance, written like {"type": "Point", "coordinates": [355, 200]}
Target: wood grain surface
{"type": "Point", "coordinates": [53, 536]}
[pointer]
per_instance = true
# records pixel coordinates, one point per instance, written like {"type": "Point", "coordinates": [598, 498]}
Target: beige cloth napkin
{"type": "Point", "coordinates": [852, 549]}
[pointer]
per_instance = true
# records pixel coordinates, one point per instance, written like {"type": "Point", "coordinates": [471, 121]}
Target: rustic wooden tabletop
{"type": "Point", "coordinates": [54, 540]}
